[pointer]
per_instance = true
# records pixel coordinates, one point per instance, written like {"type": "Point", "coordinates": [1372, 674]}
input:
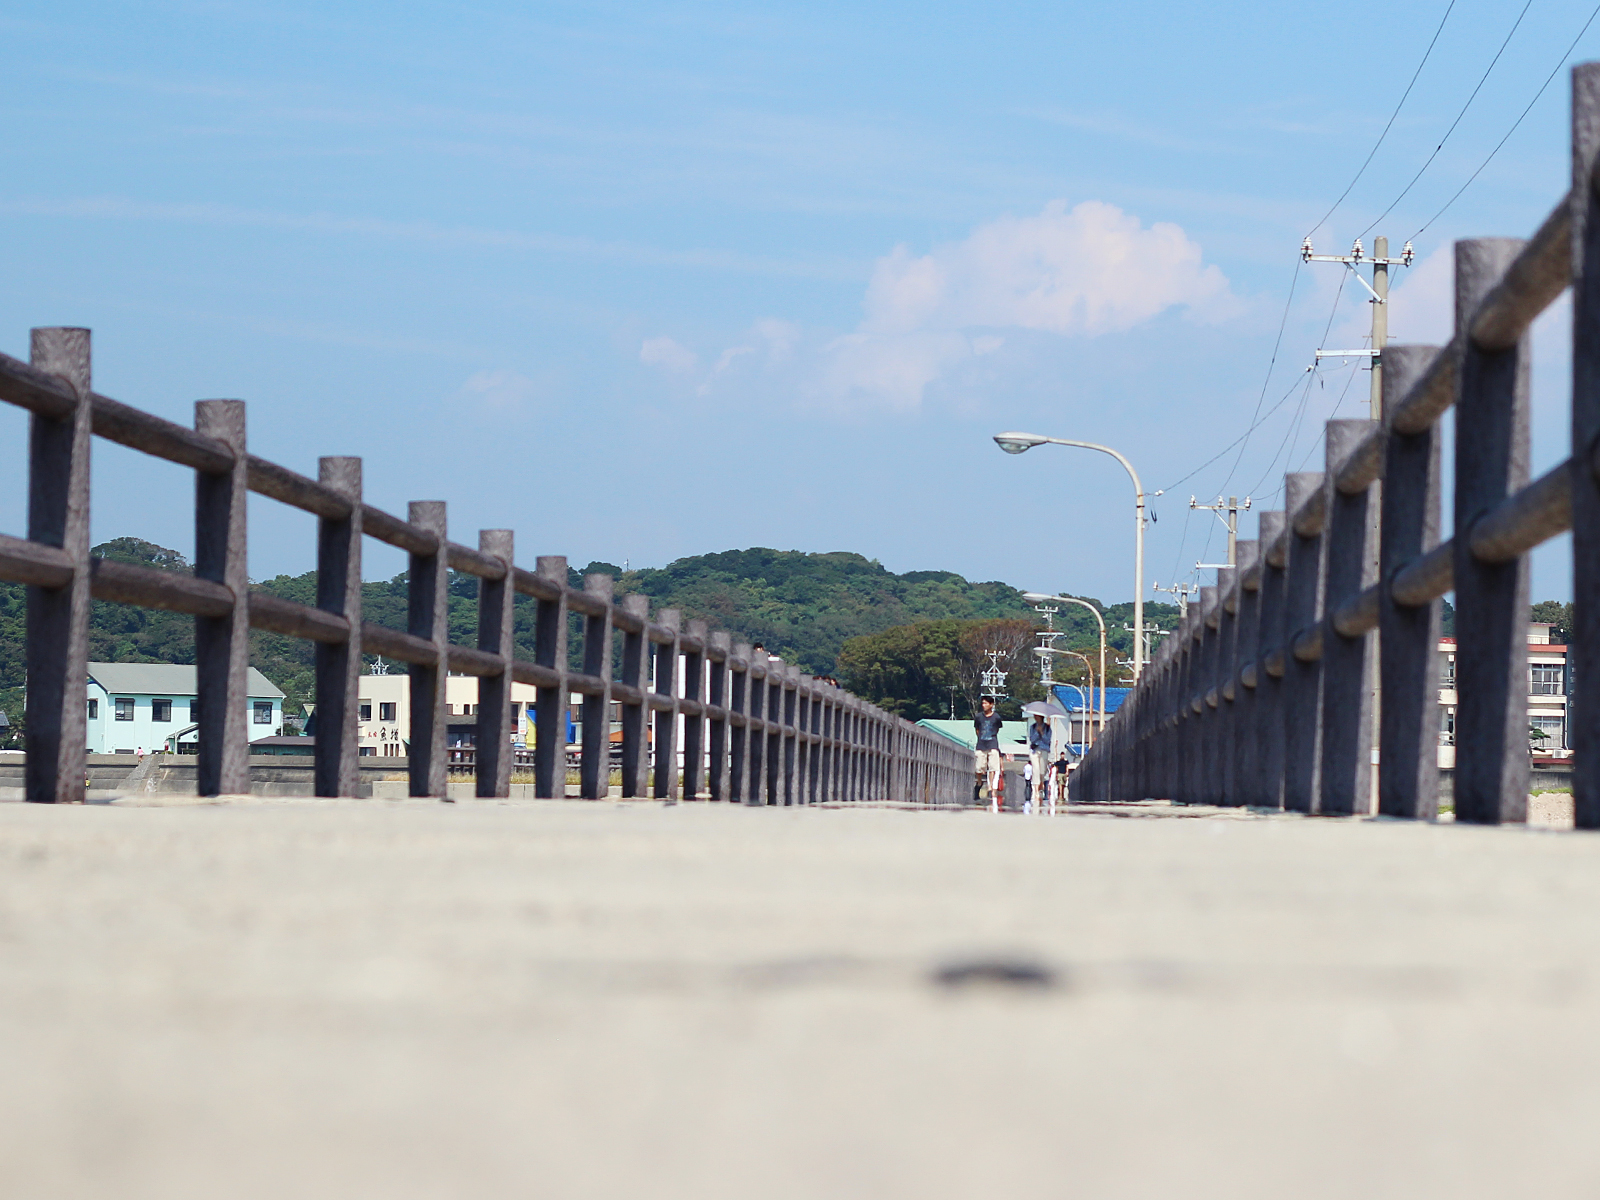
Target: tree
{"type": "Point", "coordinates": [1558, 616]}
{"type": "Point", "coordinates": [907, 670]}
{"type": "Point", "coordinates": [1012, 642]}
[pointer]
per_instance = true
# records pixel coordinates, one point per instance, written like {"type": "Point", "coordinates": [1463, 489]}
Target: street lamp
{"type": "Point", "coordinates": [1016, 443]}
{"type": "Point", "coordinates": [1040, 597]}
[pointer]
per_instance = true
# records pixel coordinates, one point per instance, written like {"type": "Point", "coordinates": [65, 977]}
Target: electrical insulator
{"type": "Point", "coordinates": [1356, 252]}
{"type": "Point", "coordinates": [1407, 255]}
{"type": "Point", "coordinates": [1305, 250]}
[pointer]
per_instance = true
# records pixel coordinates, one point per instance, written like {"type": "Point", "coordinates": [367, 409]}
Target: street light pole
{"type": "Point", "coordinates": [1016, 443]}
{"type": "Point", "coordinates": [1037, 597]}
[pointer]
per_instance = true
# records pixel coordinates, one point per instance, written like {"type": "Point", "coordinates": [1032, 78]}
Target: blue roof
{"type": "Point", "coordinates": [1072, 702]}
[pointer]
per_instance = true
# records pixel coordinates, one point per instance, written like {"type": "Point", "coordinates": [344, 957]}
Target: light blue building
{"type": "Point", "coordinates": [151, 705]}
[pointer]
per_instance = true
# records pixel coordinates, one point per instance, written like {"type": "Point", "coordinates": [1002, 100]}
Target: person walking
{"type": "Point", "coordinates": [1039, 749]}
{"type": "Point", "coordinates": [987, 764]}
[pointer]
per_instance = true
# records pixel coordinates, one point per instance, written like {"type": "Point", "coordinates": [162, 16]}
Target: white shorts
{"type": "Point", "coordinates": [987, 760]}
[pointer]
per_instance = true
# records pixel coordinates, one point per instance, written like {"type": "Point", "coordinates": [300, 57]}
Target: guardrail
{"type": "Point", "coordinates": [754, 730]}
{"type": "Point", "coordinates": [1265, 696]}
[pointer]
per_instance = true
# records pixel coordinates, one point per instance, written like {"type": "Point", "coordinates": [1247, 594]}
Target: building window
{"type": "Point", "coordinates": [94, 710]}
{"type": "Point", "coordinates": [1449, 670]}
{"type": "Point", "coordinates": [366, 712]}
{"type": "Point", "coordinates": [161, 710]}
{"type": "Point", "coordinates": [124, 708]}
{"type": "Point", "coordinates": [366, 751]}
{"type": "Point", "coordinates": [1545, 680]}
{"type": "Point", "coordinates": [263, 711]}
{"type": "Point", "coordinates": [385, 712]}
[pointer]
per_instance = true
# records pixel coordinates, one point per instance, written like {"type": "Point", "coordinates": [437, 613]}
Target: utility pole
{"type": "Point", "coordinates": [1180, 593]}
{"type": "Point", "coordinates": [1379, 287]}
{"type": "Point", "coordinates": [1230, 523]}
{"type": "Point", "coordinates": [1381, 262]}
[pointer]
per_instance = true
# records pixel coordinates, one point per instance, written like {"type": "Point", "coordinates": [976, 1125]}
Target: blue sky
{"type": "Point", "coordinates": [644, 281]}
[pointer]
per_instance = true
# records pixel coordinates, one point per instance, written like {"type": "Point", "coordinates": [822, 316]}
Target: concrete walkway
{"type": "Point", "coordinates": [554, 1000]}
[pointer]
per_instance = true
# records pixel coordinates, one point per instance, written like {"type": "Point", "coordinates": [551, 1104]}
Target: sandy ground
{"type": "Point", "coordinates": [557, 1000]}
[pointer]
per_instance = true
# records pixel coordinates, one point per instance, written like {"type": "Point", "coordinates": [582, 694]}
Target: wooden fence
{"type": "Point", "coordinates": [1266, 695]}
{"type": "Point", "coordinates": [754, 730]}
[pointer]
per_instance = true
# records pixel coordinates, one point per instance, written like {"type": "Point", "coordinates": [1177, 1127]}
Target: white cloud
{"type": "Point", "coordinates": [497, 389]}
{"type": "Point", "coordinates": [781, 337]}
{"type": "Point", "coordinates": [669, 355]}
{"type": "Point", "coordinates": [1083, 271]}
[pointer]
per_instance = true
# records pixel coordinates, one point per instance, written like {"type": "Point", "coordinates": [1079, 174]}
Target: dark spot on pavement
{"type": "Point", "coordinates": [1005, 972]}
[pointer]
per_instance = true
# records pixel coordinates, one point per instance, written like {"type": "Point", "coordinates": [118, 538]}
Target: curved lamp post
{"type": "Point", "coordinates": [1016, 443]}
{"type": "Point", "coordinates": [1037, 597]}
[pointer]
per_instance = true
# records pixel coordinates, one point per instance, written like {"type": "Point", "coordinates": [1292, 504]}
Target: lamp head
{"type": "Point", "coordinates": [1035, 597]}
{"type": "Point", "coordinates": [1016, 443]}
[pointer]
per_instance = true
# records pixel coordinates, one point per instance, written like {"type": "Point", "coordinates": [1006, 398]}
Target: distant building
{"type": "Point", "coordinates": [152, 705]}
{"type": "Point", "coordinates": [383, 713]}
{"type": "Point", "coordinates": [1549, 693]}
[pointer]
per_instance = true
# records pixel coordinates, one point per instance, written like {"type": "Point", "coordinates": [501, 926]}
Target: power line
{"type": "Point", "coordinates": [1563, 61]}
{"type": "Point", "coordinates": [1392, 116]}
{"type": "Point", "coordinates": [1482, 80]}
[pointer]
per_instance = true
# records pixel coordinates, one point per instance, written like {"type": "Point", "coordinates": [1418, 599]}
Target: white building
{"type": "Point", "coordinates": [1547, 695]}
{"type": "Point", "coordinates": [151, 705]}
{"type": "Point", "coordinates": [384, 712]}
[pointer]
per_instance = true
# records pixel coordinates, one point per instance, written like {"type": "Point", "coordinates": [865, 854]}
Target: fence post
{"type": "Point", "coordinates": [666, 719]}
{"type": "Point", "coordinates": [550, 651]}
{"type": "Point", "coordinates": [222, 644]}
{"type": "Point", "coordinates": [719, 770]}
{"type": "Point", "coordinates": [1267, 787]}
{"type": "Point", "coordinates": [1209, 632]}
{"type": "Point", "coordinates": [1227, 647]}
{"type": "Point", "coordinates": [338, 666]}
{"type": "Point", "coordinates": [1302, 681]}
{"type": "Point", "coordinates": [594, 773]}
{"type": "Point", "coordinates": [1583, 715]}
{"type": "Point", "coordinates": [58, 618]}
{"type": "Point", "coordinates": [694, 727]}
{"type": "Point", "coordinates": [1408, 734]}
{"type": "Point", "coordinates": [791, 734]}
{"type": "Point", "coordinates": [428, 618]}
{"type": "Point", "coordinates": [1247, 624]}
{"type": "Point", "coordinates": [636, 716]}
{"type": "Point", "coordinates": [1491, 781]}
{"type": "Point", "coordinates": [1347, 663]}
{"type": "Point", "coordinates": [739, 732]}
{"type": "Point", "coordinates": [496, 600]}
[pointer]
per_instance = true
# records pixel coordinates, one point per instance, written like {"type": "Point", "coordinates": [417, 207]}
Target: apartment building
{"type": "Point", "coordinates": [1549, 692]}
{"type": "Point", "coordinates": [151, 706]}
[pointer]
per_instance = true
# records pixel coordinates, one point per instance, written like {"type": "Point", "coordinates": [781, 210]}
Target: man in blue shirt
{"type": "Point", "coordinates": [987, 759]}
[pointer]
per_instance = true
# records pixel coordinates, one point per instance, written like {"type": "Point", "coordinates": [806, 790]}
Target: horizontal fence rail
{"type": "Point", "coordinates": [753, 729]}
{"type": "Point", "coordinates": [1321, 646]}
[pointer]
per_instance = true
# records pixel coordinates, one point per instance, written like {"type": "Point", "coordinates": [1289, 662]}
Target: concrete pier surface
{"type": "Point", "coordinates": [554, 1000]}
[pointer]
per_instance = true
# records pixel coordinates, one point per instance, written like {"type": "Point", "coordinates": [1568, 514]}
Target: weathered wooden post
{"type": "Point", "coordinates": [1584, 653]}
{"type": "Point", "coordinates": [694, 723]}
{"type": "Point", "coordinates": [1271, 653]}
{"type": "Point", "coordinates": [1347, 662]}
{"type": "Point", "coordinates": [739, 739]}
{"type": "Point", "coordinates": [666, 717]}
{"type": "Point", "coordinates": [1491, 781]}
{"type": "Point", "coordinates": [222, 644]}
{"type": "Point", "coordinates": [428, 618]}
{"type": "Point", "coordinates": [1246, 639]}
{"type": "Point", "coordinates": [1408, 734]}
{"type": "Point", "coordinates": [720, 772]}
{"type": "Point", "coordinates": [1302, 683]}
{"type": "Point", "coordinates": [338, 665]}
{"type": "Point", "coordinates": [636, 710]}
{"type": "Point", "coordinates": [594, 773]}
{"type": "Point", "coordinates": [551, 700]}
{"type": "Point", "coordinates": [57, 652]}
{"type": "Point", "coordinates": [496, 632]}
